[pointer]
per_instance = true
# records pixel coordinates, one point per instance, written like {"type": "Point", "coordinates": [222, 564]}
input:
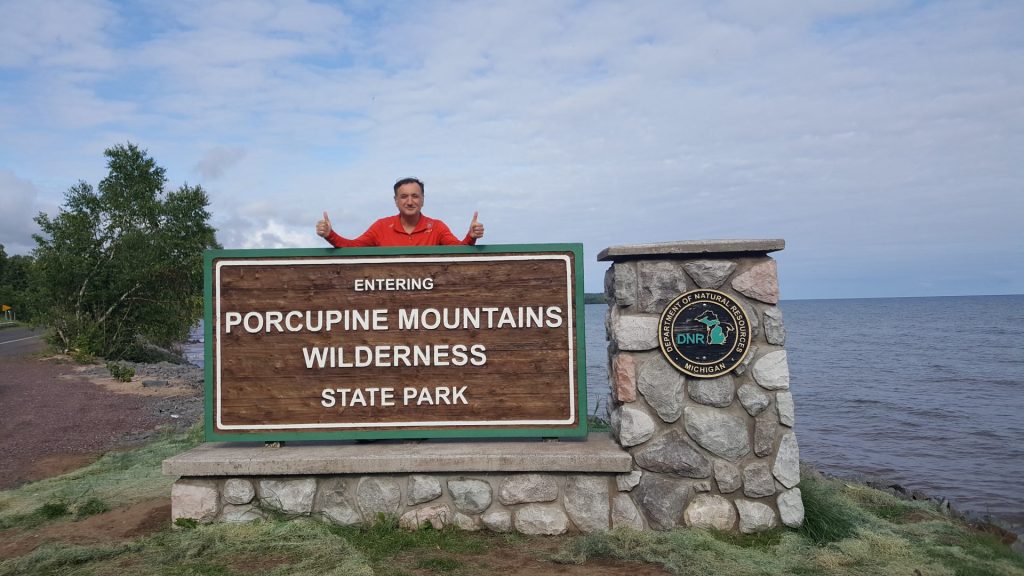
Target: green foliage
{"type": "Point", "coordinates": [760, 540]}
{"type": "Point", "coordinates": [91, 507]}
{"type": "Point", "coordinates": [52, 510]}
{"type": "Point", "coordinates": [439, 565]}
{"type": "Point", "coordinates": [46, 512]}
{"type": "Point", "coordinates": [16, 285]}
{"type": "Point", "coordinates": [829, 516]}
{"type": "Point", "coordinates": [120, 372]}
{"type": "Point", "coordinates": [384, 539]}
{"type": "Point", "coordinates": [121, 265]}
{"type": "Point", "coordinates": [186, 523]}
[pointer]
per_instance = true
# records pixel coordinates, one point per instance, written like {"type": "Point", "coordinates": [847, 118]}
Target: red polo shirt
{"type": "Point", "coordinates": [389, 232]}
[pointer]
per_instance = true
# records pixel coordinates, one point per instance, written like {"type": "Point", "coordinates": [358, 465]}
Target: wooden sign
{"type": "Point", "coordinates": [395, 343]}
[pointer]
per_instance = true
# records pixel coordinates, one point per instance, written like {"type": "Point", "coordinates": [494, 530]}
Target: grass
{"type": "Point", "coordinates": [849, 530]}
{"type": "Point", "coordinates": [115, 480]}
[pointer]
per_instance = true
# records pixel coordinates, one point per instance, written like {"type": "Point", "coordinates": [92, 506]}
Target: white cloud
{"type": "Point", "coordinates": [18, 206]}
{"type": "Point", "coordinates": [853, 129]}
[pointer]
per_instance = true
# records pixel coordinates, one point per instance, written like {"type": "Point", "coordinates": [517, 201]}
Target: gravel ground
{"type": "Point", "coordinates": [56, 415]}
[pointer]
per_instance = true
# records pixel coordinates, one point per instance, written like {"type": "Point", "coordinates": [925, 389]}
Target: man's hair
{"type": "Point", "coordinates": [405, 181]}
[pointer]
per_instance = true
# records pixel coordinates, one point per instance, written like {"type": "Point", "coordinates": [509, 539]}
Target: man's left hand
{"type": "Point", "coordinates": [476, 229]}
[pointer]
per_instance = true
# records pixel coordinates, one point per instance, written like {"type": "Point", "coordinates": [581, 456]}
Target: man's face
{"type": "Point", "coordinates": [409, 199]}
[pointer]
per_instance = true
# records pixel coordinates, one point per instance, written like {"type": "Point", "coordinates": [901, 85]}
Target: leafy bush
{"type": "Point", "coordinates": [120, 371]}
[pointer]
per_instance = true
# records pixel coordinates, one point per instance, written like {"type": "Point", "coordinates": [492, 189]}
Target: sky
{"type": "Point", "coordinates": [882, 140]}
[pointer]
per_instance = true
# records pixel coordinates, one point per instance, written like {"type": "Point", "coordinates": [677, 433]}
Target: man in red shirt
{"type": "Point", "coordinates": [408, 228]}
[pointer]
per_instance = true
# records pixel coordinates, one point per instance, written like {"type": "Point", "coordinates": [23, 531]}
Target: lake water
{"type": "Point", "coordinates": [927, 392]}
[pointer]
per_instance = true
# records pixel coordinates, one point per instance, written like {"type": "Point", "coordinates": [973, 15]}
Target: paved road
{"type": "Point", "coordinates": [19, 341]}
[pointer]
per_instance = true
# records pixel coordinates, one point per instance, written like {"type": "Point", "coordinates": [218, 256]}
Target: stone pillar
{"type": "Point", "coordinates": [708, 452]}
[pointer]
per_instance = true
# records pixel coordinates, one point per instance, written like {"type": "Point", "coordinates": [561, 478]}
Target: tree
{"type": "Point", "coordinates": [15, 274]}
{"type": "Point", "coordinates": [122, 266]}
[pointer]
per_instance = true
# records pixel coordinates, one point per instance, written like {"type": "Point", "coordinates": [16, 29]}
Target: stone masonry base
{"type": "Point", "coordinates": [530, 486]}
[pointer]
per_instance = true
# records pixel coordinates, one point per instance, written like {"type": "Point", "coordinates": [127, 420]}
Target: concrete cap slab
{"type": "Point", "coordinates": [691, 249]}
{"type": "Point", "coordinates": [597, 453]}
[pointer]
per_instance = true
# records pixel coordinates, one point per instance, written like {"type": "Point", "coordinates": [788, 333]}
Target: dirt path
{"type": "Point", "coordinates": [57, 416]}
{"type": "Point", "coordinates": [54, 419]}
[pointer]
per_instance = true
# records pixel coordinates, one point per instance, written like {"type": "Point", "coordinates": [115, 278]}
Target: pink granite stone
{"type": "Point", "coordinates": [624, 376]}
{"type": "Point", "coordinates": [760, 282]}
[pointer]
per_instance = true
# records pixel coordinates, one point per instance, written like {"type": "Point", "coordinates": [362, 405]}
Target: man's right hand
{"type": "Point", "coordinates": [323, 227]}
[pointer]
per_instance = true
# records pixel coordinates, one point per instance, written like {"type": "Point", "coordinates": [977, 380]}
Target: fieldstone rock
{"type": "Point", "coordinates": [376, 496]}
{"type": "Point", "coordinates": [663, 500]}
{"type": "Point", "coordinates": [754, 401]}
{"type": "Point", "coordinates": [758, 481]}
{"type": "Point", "coordinates": [541, 519]}
{"type": "Point", "coordinates": [754, 317]}
{"type": "Point", "coordinates": [625, 513]}
{"type": "Point", "coordinates": [764, 435]}
{"type": "Point", "coordinates": [709, 273]}
{"type": "Point", "coordinates": [791, 508]}
{"type": "Point", "coordinates": [755, 517]}
{"type": "Point", "coordinates": [719, 432]}
{"type": "Point", "coordinates": [774, 330]}
{"type": "Point", "coordinates": [662, 387]}
{"type": "Point", "coordinates": [702, 486]}
{"type": "Point", "coordinates": [438, 516]}
{"type": "Point", "coordinates": [771, 371]}
{"type": "Point", "coordinates": [787, 461]}
{"type": "Point", "coordinates": [334, 502]}
{"type": "Point", "coordinates": [497, 521]}
{"type": "Point", "coordinates": [238, 491]}
{"type": "Point", "coordinates": [710, 512]}
{"type": "Point", "coordinates": [194, 499]}
{"type": "Point", "coordinates": [787, 412]}
{"type": "Point", "coordinates": [587, 502]}
{"type": "Point", "coordinates": [659, 283]}
{"type": "Point", "coordinates": [760, 282]}
{"type": "Point", "coordinates": [624, 377]}
{"type": "Point", "coordinates": [343, 514]}
{"type": "Point", "coordinates": [716, 392]}
{"type": "Point", "coordinates": [634, 426]}
{"type": "Point", "coordinates": [627, 482]}
{"type": "Point", "coordinates": [291, 496]}
{"type": "Point", "coordinates": [634, 332]}
{"type": "Point", "coordinates": [745, 363]}
{"type": "Point", "coordinates": [234, 514]}
{"type": "Point", "coordinates": [466, 523]}
{"type": "Point", "coordinates": [620, 284]}
{"type": "Point", "coordinates": [728, 477]}
{"type": "Point", "coordinates": [525, 488]}
{"type": "Point", "coordinates": [423, 488]}
{"type": "Point", "coordinates": [673, 453]}
{"type": "Point", "coordinates": [470, 496]}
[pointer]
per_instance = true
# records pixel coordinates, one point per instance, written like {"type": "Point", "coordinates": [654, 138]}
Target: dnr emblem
{"type": "Point", "coordinates": [704, 333]}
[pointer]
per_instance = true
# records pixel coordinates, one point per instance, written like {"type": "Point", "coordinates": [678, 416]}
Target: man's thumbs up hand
{"type": "Point", "coordinates": [323, 227]}
{"type": "Point", "coordinates": [476, 229]}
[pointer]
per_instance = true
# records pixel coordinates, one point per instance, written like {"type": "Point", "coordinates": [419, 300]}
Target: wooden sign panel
{"type": "Point", "coordinates": [395, 343]}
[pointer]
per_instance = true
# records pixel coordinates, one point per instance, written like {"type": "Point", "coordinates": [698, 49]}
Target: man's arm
{"type": "Point", "coordinates": [324, 229]}
{"type": "Point", "coordinates": [476, 230]}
